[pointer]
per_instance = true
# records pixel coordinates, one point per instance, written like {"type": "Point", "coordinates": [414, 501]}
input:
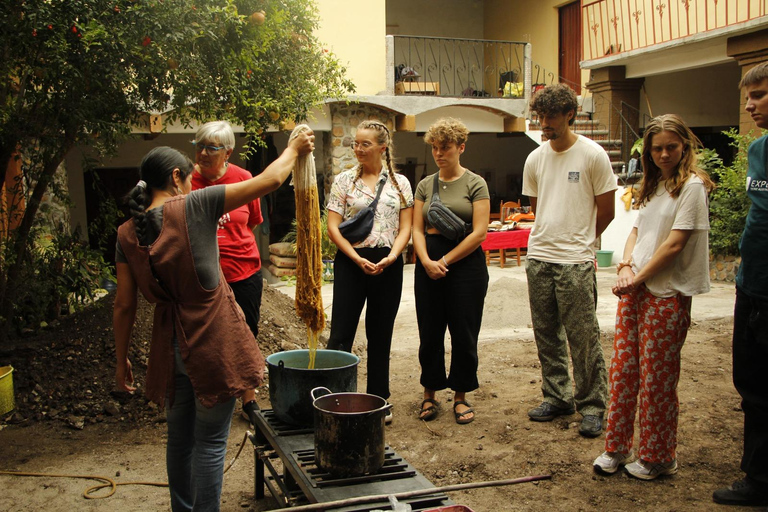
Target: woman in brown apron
{"type": "Point", "coordinates": [169, 251]}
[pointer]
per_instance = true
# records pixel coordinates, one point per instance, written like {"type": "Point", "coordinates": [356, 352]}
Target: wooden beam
{"type": "Point", "coordinates": [155, 123]}
{"type": "Point", "coordinates": [514, 124]}
{"type": "Point", "coordinates": [405, 123]}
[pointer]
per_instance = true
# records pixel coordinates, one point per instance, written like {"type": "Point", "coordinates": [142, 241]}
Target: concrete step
{"type": "Point", "coordinates": [593, 134]}
{"type": "Point", "coordinates": [580, 117]}
{"type": "Point", "coordinates": [609, 143]}
{"type": "Point", "coordinates": [586, 125]}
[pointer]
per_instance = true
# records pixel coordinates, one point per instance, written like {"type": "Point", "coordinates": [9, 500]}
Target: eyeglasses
{"type": "Point", "coordinates": [362, 145]}
{"type": "Point", "coordinates": [211, 149]}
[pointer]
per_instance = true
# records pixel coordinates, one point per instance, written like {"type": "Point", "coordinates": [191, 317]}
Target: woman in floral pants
{"type": "Point", "coordinates": [665, 263]}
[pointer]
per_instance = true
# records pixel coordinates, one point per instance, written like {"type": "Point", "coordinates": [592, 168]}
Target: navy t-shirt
{"type": "Point", "coordinates": [753, 271]}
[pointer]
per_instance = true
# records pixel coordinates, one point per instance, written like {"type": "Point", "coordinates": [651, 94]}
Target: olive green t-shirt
{"type": "Point", "coordinates": [457, 195]}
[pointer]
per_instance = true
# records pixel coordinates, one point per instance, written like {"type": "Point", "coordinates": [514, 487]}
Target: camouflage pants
{"type": "Point", "coordinates": [563, 300]}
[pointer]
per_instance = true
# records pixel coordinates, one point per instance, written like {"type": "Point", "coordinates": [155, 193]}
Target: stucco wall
{"type": "Point", "coordinates": [499, 160]}
{"type": "Point", "coordinates": [354, 31]}
{"type": "Point", "coordinates": [703, 97]}
{"type": "Point", "coordinates": [529, 21]}
{"type": "Point", "coordinates": [462, 19]}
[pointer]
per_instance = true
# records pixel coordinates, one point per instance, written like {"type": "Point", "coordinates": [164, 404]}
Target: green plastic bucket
{"type": "Point", "coordinates": [604, 258]}
{"type": "Point", "coordinates": [7, 403]}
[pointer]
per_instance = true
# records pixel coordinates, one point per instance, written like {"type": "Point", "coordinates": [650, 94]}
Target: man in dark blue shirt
{"type": "Point", "coordinates": [750, 317]}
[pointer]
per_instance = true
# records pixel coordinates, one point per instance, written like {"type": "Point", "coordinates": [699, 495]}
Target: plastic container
{"type": "Point", "coordinates": [604, 258]}
{"type": "Point", "coordinates": [7, 403]}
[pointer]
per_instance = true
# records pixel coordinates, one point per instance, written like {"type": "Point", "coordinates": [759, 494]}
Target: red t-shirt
{"type": "Point", "coordinates": [240, 257]}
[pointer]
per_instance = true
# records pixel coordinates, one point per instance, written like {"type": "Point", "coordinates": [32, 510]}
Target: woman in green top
{"type": "Point", "coordinates": [451, 278]}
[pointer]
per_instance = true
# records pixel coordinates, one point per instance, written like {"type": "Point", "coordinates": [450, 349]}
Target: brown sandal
{"type": "Point", "coordinates": [460, 419]}
{"type": "Point", "coordinates": [429, 413]}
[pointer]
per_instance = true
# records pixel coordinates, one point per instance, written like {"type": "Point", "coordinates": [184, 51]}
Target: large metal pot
{"type": "Point", "coordinates": [291, 382]}
{"type": "Point", "coordinates": [349, 432]}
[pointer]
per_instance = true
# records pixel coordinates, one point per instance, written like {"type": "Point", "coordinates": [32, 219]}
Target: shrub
{"type": "Point", "coordinates": [729, 203]}
{"type": "Point", "coordinates": [327, 247]}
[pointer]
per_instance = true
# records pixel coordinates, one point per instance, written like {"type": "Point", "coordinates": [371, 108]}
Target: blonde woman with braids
{"type": "Point", "coordinates": [370, 271]}
{"type": "Point", "coordinates": [451, 278]}
{"type": "Point", "coordinates": [197, 365]}
{"type": "Point", "coordinates": [665, 263]}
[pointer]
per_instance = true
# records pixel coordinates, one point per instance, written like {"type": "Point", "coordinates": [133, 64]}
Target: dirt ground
{"type": "Point", "coordinates": [93, 432]}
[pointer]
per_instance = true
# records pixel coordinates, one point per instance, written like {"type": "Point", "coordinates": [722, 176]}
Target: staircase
{"type": "Point", "coordinates": [592, 129]}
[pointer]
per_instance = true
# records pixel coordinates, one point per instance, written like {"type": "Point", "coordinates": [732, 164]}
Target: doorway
{"type": "Point", "coordinates": [570, 45]}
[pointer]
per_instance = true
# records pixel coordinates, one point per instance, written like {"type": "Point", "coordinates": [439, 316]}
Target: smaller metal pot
{"type": "Point", "coordinates": [349, 432]}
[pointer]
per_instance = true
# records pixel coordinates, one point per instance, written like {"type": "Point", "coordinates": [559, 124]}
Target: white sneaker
{"type": "Point", "coordinates": [651, 470]}
{"type": "Point", "coordinates": [608, 463]}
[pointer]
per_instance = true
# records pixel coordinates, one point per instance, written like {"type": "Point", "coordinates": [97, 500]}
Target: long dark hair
{"type": "Point", "coordinates": [156, 173]}
{"type": "Point", "coordinates": [688, 163]}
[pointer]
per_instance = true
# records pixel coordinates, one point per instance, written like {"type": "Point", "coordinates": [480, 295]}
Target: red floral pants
{"type": "Point", "coordinates": [645, 369]}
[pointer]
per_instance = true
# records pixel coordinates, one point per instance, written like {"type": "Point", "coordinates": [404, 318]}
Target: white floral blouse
{"type": "Point", "coordinates": [348, 198]}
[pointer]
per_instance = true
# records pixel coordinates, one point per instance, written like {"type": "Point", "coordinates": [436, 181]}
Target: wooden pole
{"type": "Point", "coordinates": [410, 494]}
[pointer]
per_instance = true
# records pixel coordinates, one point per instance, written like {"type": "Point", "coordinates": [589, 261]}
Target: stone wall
{"type": "Point", "coordinates": [345, 119]}
{"type": "Point", "coordinates": [723, 268]}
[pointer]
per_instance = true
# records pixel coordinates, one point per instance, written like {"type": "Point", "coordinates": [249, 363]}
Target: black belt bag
{"type": "Point", "coordinates": [359, 227]}
{"type": "Point", "coordinates": [440, 217]}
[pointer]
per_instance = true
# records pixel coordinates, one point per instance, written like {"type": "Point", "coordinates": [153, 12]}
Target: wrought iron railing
{"type": "Point", "coordinates": [461, 67]}
{"type": "Point", "coordinates": [615, 26]}
{"type": "Point", "coordinates": [616, 128]}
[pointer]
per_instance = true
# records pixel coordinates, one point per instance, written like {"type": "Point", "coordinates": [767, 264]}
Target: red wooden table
{"type": "Point", "coordinates": [502, 240]}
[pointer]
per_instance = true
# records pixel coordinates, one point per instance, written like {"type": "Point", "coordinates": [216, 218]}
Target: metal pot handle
{"type": "Point", "coordinates": [325, 391]}
{"type": "Point", "coordinates": [281, 364]}
{"type": "Point", "coordinates": [383, 408]}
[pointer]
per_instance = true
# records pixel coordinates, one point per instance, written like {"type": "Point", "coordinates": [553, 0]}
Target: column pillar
{"type": "Point", "coordinates": [610, 86]}
{"type": "Point", "coordinates": [748, 50]}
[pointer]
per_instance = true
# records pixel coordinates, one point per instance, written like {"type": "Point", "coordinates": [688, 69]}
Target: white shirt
{"type": "Point", "coordinates": [688, 274]}
{"type": "Point", "coordinates": [565, 184]}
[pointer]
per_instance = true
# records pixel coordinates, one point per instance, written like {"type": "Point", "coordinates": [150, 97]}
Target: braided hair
{"type": "Point", "coordinates": [156, 173]}
{"type": "Point", "coordinates": [383, 138]}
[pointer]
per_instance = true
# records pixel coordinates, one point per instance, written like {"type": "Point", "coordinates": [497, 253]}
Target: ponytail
{"type": "Point", "coordinates": [156, 173]}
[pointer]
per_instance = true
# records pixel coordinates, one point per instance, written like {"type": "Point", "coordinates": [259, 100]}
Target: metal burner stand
{"type": "Point", "coordinates": [302, 482]}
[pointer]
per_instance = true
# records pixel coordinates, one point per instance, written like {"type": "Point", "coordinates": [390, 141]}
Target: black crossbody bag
{"type": "Point", "coordinates": [449, 224]}
{"type": "Point", "coordinates": [359, 227]}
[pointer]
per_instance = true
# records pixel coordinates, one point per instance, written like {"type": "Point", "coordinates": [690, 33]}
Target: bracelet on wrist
{"type": "Point", "coordinates": [445, 262]}
{"type": "Point", "coordinates": [622, 264]}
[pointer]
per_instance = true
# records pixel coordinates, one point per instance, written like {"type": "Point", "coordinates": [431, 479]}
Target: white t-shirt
{"type": "Point", "coordinates": [689, 272]}
{"type": "Point", "coordinates": [565, 184]}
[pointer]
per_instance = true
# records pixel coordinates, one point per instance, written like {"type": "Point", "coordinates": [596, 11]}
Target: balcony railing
{"type": "Point", "coordinates": [461, 67]}
{"type": "Point", "coordinates": [615, 26]}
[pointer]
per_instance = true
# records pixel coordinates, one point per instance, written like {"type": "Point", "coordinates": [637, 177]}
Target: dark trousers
{"type": "Point", "coordinates": [352, 288]}
{"type": "Point", "coordinates": [248, 297]}
{"type": "Point", "coordinates": [454, 302]}
{"type": "Point", "coordinates": [750, 361]}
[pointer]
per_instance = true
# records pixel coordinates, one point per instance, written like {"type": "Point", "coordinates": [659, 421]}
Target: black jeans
{"type": "Point", "coordinates": [750, 362]}
{"type": "Point", "coordinates": [352, 288]}
{"type": "Point", "coordinates": [248, 297]}
{"type": "Point", "coordinates": [454, 302]}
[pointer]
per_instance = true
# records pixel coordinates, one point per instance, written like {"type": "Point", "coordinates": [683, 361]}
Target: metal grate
{"type": "Point", "coordinates": [300, 480]}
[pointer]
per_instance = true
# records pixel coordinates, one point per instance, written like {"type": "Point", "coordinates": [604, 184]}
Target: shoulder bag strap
{"type": "Point", "coordinates": [436, 189]}
{"type": "Point", "coordinates": [375, 201]}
